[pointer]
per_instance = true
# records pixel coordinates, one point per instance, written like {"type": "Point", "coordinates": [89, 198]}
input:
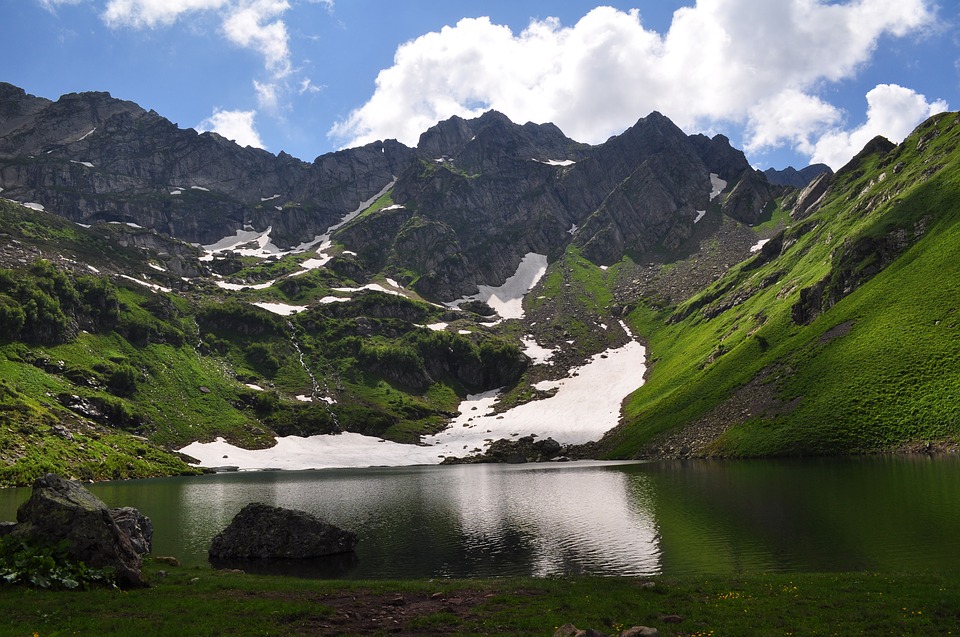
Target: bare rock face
{"type": "Point", "coordinates": [60, 510]}
{"type": "Point", "coordinates": [91, 157]}
{"type": "Point", "coordinates": [261, 531]}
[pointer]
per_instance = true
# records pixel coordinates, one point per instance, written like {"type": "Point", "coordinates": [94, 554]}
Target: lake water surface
{"type": "Point", "coordinates": [678, 517]}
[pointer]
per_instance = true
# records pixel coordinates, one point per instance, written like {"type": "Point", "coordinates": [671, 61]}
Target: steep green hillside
{"type": "Point", "coordinates": [841, 336]}
{"type": "Point", "coordinates": [104, 371]}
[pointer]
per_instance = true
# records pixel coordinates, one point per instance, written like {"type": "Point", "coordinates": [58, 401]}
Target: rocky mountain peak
{"type": "Point", "coordinates": [44, 126]}
{"type": "Point", "coordinates": [110, 160]}
{"type": "Point", "coordinates": [879, 145]}
{"type": "Point", "coordinates": [16, 103]}
{"type": "Point", "coordinates": [446, 138]}
{"type": "Point", "coordinates": [492, 142]}
{"type": "Point", "coordinates": [474, 197]}
{"type": "Point", "coordinates": [790, 176]}
{"type": "Point", "coordinates": [720, 157]}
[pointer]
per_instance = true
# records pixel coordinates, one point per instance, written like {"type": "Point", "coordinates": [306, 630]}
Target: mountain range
{"type": "Point", "coordinates": [162, 287]}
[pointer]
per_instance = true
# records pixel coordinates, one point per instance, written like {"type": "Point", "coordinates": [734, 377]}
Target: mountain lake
{"type": "Point", "coordinates": [878, 513]}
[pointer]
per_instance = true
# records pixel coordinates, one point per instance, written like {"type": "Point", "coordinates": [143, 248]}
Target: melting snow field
{"type": "Point", "coordinates": [537, 353]}
{"type": "Point", "coordinates": [717, 185]}
{"type": "Point", "coordinates": [282, 309]}
{"type": "Point", "coordinates": [266, 248]}
{"type": "Point", "coordinates": [577, 413]}
{"type": "Point", "coordinates": [507, 299]}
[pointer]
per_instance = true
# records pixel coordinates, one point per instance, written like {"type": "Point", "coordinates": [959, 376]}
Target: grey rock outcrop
{"type": "Point", "coordinates": [519, 451]}
{"type": "Point", "coordinates": [261, 531]}
{"type": "Point", "coordinates": [91, 157]}
{"type": "Point", "coordinates": [63, 511]}
{"type": "Point", "coordinates": [471, 200]}
{"type": "Point", "coordinates": [485, 192]}
{"type": "Point", "coordinates": [749, 199]}
{"type": "Point", "coordinates": [811, 196]}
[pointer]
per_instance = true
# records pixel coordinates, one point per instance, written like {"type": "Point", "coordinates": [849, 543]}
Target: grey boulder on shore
{"type": "Point", "coordinates": [63, 511]}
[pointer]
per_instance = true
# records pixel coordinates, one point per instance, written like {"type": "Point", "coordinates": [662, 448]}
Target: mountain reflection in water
{"type": "Point", "coordinates": [887, 514]}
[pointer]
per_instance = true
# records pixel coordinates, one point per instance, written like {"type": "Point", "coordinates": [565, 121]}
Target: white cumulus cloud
{"type": "Point", "coordinates": [252, 24]}
{"type": "Point", "coordinates": [237, 126]}
{"type": "Point", "coordinates": [256, 24]}
{"type": "Point", "coordinates": [789, 117]}
{"type": "Point", "coordinates": [892, 111]}
{"type": "Point", "coordinates": [719, 61]}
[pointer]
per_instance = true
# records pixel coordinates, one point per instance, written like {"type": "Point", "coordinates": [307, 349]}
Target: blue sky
{"type": "Point", "coordinates": [790, 81]}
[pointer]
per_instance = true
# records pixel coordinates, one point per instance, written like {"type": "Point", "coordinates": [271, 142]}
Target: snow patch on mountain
{"type": "Point", "coordinates": [537, 353]}
{"type": "Point", "coordinates": [282, 309]}
{"type": "Point", "coordinates": [507, 299]}
{"type": "Point", "coordinates": [556, 162]}
{"type": "Point", "coordinates": [146, 284]}
{"type": "Point", "coordinates": [717, 185]}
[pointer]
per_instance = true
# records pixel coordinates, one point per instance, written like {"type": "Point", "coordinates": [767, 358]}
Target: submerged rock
{"type": "Point", "coordinates": [63, 511]}
{"type": "Point", "coordinates": [263, 531]}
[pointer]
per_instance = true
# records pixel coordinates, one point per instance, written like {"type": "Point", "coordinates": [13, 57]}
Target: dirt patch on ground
{"type": "Point", "coordinates": [758, 398]}
{"type": "Point", "coordinates": [836, 332]}
{"type": "Point", "coordinates": [359, 612]}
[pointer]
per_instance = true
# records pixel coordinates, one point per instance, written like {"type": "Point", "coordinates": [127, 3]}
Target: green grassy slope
{"type": "Point", "coordinates": [875, 371]}
{"type": "Point", "coordinates": [102, 376]}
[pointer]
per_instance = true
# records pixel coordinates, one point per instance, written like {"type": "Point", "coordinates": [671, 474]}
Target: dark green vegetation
{"type": "Point", "coordinates": [841, 336]}
{"type": "Point", "coordinates": [103, 375]}
{"type": "Point", "coordinates": [771, 604]}
{"type": "Point", "coordinates": [48, 567]}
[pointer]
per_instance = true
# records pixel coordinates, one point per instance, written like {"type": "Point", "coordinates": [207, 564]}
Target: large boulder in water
{"type": "Point", "coordinates": [63, 511]}
{"type": "Point", "coordinates": [263, 531]}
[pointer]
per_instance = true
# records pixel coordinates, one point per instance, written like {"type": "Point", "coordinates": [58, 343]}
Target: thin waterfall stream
{"type": "Point", "coordinates": [318, 393]}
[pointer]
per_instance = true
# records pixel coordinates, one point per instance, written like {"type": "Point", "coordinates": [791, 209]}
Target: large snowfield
{"type": "Point", "coordinates": [578, 412]}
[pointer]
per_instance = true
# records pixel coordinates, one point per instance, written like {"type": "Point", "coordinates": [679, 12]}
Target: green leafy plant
{"type": "Point", "coordinates": [26, 564]}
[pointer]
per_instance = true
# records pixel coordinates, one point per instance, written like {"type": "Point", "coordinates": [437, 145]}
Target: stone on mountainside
{"type": "Point", "coordinates": [63, 511]}
{"type": "Point", "coordinates": [264, 531]}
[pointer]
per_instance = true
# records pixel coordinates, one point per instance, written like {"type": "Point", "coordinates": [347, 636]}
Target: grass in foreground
{"type": "Point", "coordinates": [201, 602]}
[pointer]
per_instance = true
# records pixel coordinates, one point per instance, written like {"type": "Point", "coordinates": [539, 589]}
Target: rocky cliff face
{"type": "Point", "coordinates": [470, 201]}
{"type": "Point", "coordinates": [482, 193]}
{"type": "Point", "coordinates": [92, 158]}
